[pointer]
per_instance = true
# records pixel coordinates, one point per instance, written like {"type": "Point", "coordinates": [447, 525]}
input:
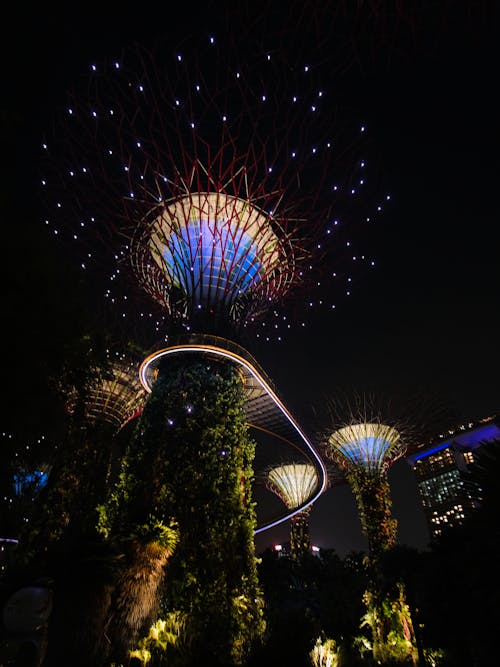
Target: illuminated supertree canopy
{"type": "Point", "coordinates": [372, 433]}
{"type": "Point", "coordinates": [115, 395]}
{"type": "Point", "coordinates": [368, 432]}
{"type": "Point", "coordinates": [223, 185]}
{"type": "Point", "coordinates": [295, 484]}
{"type": "Point", "coordinates": [371, 446]}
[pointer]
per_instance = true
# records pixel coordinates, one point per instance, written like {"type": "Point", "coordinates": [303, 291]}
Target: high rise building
{"type": "Point", "coordinates": [448, 493]}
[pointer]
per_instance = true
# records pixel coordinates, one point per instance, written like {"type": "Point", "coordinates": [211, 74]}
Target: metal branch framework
{"type": "Point", "coordinates": [294, 483]}
{"type": "Point", "coordinates": [220, 253]}
{"type": "Point", "coordinates": [115, 397]}
{"type": "Point", "coordinates": [368, 432]}
{"type": "Point", "coordinates": [220, 182]}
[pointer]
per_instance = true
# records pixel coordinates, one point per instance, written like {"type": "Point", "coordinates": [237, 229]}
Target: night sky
{"type": "Point", "coordinates": [428, 317]}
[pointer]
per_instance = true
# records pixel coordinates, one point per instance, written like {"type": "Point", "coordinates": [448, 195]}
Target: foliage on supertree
{"type": "Point", "coordinates": [295, 483]}
{"type": "Point", "coordinates": [390, 622]}
{"type": "Point", "coordinates": [190, 462]}
{"type": "Point", "coordinates": [223, 183]}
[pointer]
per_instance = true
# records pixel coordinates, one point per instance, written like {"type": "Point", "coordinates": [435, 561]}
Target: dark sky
{"type": "Point", "coordinates": [429, 315]}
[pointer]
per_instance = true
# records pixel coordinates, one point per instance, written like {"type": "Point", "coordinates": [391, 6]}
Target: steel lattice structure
{"type": "Point", "coordinates": [116, 396]}
{"type": "Point", "coordinates": [222, 185]}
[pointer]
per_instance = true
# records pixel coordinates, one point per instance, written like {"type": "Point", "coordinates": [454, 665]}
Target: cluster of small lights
{"type": "Point", "coordinates": [6, 544]}
{"type": "Point", "coordinates": [449, 518]}
{"type": "Point", "coordinates": [278, 548]}
{"type": "Point", "coordinates": [27, 479]}
{"type": "Point", "coordinates": [145, 180]}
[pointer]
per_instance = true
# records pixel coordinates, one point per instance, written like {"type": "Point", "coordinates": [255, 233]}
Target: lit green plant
{"type": "Point", "coordinates": [435, 657]}
{"type": "Point", "coordinates": [164, 634]}
{"type": "Point", "coordinates": [389, 620]}
{"type": "Point", "coordinates": [325, 653]}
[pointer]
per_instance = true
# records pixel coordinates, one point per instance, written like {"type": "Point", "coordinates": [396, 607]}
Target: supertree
{"type": "Point", "coordinates": [223, 183]}
{"type": "Point", "coordinates": [99, 410]}
{"type": "Point", "coordinates": [372, 432]}
{"type": "Point", "coordinates": [365, 451]}
{"type": "Point", "coordinates": [294, 483]}
{"type": "Point", "coordinates": [217, 183]}
{"type": "Point", "coordinates": [61, 545]}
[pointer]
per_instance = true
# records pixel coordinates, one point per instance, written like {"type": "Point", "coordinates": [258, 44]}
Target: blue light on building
{"type": "Point", "coordinates": [447, 492]}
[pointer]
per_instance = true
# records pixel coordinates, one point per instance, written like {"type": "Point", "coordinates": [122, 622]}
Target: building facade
{"type": "Point", "coordinates": [448, 493]}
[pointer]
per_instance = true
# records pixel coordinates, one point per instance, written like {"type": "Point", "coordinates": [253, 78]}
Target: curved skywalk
{"type": "Point", "coordinates": [263, 408]}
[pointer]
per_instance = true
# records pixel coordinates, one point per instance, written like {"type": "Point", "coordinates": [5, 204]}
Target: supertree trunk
{"type": "Point", "coordinates": [189, 470]}
{"type": "Point", "coordinates": [300, 541]}
{"type": "Point", "coordinates": [373, 498]}
{"type": "Point", "coordinates": [213, 576]}
{"type": "Point", "coordinates": [388, 615]}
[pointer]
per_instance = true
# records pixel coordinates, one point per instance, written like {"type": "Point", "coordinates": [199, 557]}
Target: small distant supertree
{"type": "Point", "coordinates": [372, 434]}
{"type": "Point", "coordinates": [295, 483]}
{"type": "Point", "coordinates": [364, 451]}
{"type": "Point", "coordinates": [364, 434]}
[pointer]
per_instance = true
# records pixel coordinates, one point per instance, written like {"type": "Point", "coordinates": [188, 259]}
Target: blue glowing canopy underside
{"type": "Point", "coordinates": [366, 446]}
{"type": "Point", "coordinates": [210, 258]}
{"type": "Point", "coordinates": [365, 451]}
